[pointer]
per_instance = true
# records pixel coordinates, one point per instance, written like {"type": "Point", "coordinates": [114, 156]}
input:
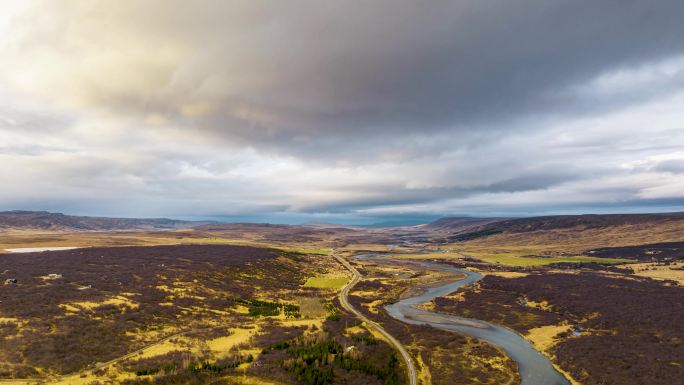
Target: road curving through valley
{"type": "Point", "coordinates": [344, 301]}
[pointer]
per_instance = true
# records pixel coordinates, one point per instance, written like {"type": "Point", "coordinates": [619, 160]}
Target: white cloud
{"type": "Point", "coordinates": [129, 108]}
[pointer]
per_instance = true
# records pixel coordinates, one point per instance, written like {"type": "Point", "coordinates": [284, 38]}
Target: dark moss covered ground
{"type": "Point", "coordinates": [631, 329]}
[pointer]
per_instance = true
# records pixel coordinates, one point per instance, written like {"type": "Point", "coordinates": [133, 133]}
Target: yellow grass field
{"type": "Point", "coordinates": [544, 337]}
{"type": "Point", "coordinates": [661, 272]}
{"type": "Point", "coordinates": [511, 258]}
{"type": "Point", "coordinates": [333, 283]}
{"type": "Point", "coordinates": [518, 260]}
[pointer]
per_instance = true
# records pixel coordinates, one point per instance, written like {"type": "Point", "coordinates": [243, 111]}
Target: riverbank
{"type": "Point", "coordinates": [535, 368]}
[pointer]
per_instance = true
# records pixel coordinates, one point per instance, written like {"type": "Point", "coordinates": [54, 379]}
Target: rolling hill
{"type": "Point", "coordinates": [47, 221]}
{"type": "Point", "coordinates": [575, 232]}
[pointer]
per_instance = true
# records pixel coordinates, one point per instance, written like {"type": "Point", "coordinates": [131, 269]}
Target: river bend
{"type": "Point", "coordinates": [535, 368]}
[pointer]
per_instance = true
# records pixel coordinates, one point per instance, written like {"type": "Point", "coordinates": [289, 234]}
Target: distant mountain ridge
{"type": "Point", "coordinates": [327, 225]}
{"type": "Point", "coordinates": [461, 223]}
{"type": "Point", "coordinates": [463, 229]}
{"type": "Point", "coordinates": [585, 221]}
{"type": "Point", "coordinates": [44, 220]}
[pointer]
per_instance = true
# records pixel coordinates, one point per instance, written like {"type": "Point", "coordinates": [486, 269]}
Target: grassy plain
{"type": "Point", "coordinates": [514, 258]}
{"type": "Point", "coordinates": [578, 240]}
{"type": "Point", "coordinates": [242, 318]}
{"type": "Point", "coordinates": [150, 300]}
{"type": "Point", "coordinates": [545, 337]}
{"type": "Point", "coordinates": [334, 283]}
{"type": "Point", "coordinates": [207, 311]}
{"type": "Point", "coordinates": [660, 271]}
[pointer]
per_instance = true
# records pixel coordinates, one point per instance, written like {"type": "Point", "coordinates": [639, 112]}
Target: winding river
{"type": "Point", "coordinates": [535, 368]}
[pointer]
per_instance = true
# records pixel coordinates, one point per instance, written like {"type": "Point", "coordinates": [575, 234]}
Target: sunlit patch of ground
{"type": "Point", "coordinates": [308, 250]}
{"type": "Point", "coordinates": [327, 282]}
{"type": "Point", "coordinates": [318, 322]}
{"type": "Point", "coordinates": [545, 337]}
{"type": "Point", "coordinates": [364, 293]}
{"type": "Point", "coordinates": [237, 336]}
{"type": "Point", "coordinates": [429, 306]}
{"type": "Point", "coordinates": [169, 345]}
{"type": "Point", "coordinates": [543, 305]}
{"type": "Point", "coordinates": [50, 277]}
{"type": "Point", "coordinates": [32, 238]}
{"type": "Point", "coordinates": [424, 371]}
{"type": "Point", "coordinates": [79, 379]}
{"type": "Point", "coordinates": [525, 255]}
{"type": "Point", "coordinates": [354, 330]}
{"type": "Point", "coordinates": [518, 259]}
{"type": "Point", "coordinates": [673, 271]}
{"type": "Point", "coordinates": [219, 346]}
{"type": "Point", "coordinates": [120, 300]}
{"type": "Point", "coordinates": [505, 274]}
{"type": "Point", "coordinates": [39, 249]}
{"type": "Point", "coordinates": [244, 380]}
{"type": "Point", "coordinates": [182, 290]}
{"type": "Point", "coordinates": [374, 306]}
{"type": "Point", "coordinates": [241, 309]}
{"type": "Point", "coordinates": [154, 334]}
{"type": "Point", "coordinates": [390, 270]}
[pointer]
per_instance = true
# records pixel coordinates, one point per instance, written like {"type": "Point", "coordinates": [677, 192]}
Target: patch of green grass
{"type": "Point", "coordinates": [326, 282]}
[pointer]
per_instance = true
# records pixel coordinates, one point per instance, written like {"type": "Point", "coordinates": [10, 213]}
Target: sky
{"type": "Point", "coordinates": [345, 111]}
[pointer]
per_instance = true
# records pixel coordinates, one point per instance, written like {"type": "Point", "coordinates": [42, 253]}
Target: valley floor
{"type": "Point", "coordinates": [260, 305]}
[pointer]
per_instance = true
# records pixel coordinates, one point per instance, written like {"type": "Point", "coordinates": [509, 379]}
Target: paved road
{"type": "Point", "coordinates": [411, 369]}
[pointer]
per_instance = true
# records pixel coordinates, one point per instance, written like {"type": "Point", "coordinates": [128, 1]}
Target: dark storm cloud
{"type": "Point", "coordinates": [322, 75]}
{"type": "Point", "coordinates": [396, 67]}
{"type": "Point", "coordinates": [312, 74]}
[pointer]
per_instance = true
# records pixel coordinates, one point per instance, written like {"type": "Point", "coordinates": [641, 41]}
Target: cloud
{"type": "Point", "coordinates": [179, 108]}
{"type": "Point", "coordinates": [324, 72]}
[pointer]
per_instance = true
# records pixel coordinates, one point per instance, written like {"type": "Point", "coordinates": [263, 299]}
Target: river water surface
{"type": "Point", "coordinates": [535, 368]}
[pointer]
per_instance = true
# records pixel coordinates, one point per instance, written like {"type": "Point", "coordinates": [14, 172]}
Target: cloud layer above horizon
{"type": "Point", "coordinates": [310, 110]}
